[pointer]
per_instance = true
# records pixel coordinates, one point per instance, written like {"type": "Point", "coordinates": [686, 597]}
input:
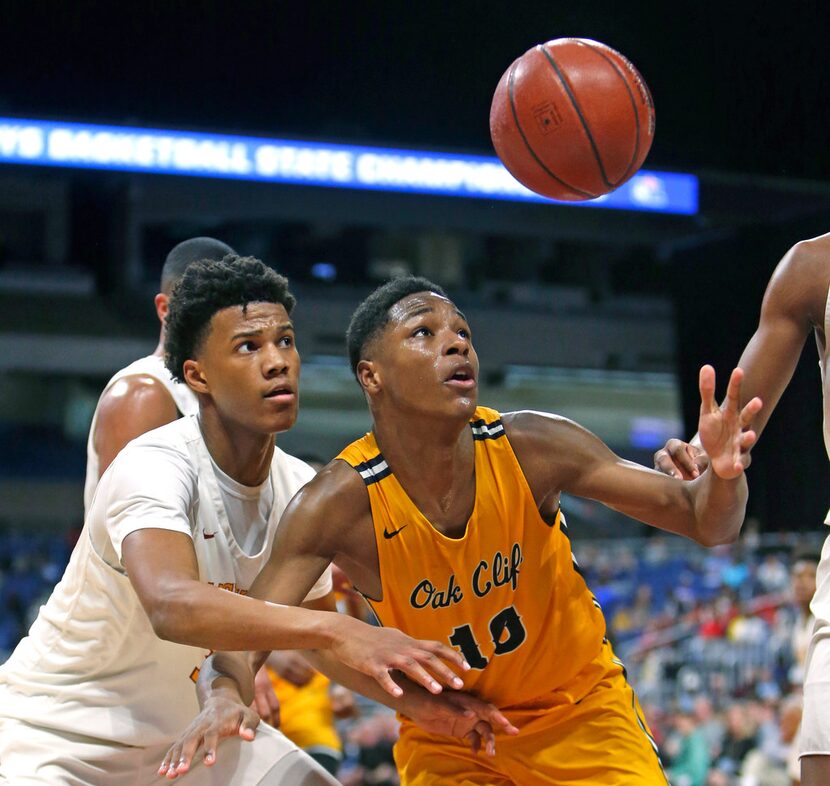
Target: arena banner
{"type": "Point", "coordinates": [170, 152]}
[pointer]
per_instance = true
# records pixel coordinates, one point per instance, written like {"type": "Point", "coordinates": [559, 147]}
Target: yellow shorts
{"type": "Point", "coordinates": [599, 740]}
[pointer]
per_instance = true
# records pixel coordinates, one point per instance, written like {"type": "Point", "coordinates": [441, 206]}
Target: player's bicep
{"type": "Point", "coordinates": [793, 303]}
{"type": "Point", "coordinates": [557, 454]}
{"type": "Point", "coordinates": [160, 565]}
{"type": "Point", "coordinates": [301, 553]}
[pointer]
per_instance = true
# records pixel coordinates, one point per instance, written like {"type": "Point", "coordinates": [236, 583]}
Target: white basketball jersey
{"type": "Point", "coordinates": [820, 605]}
{"type": "Point", "coordinates": [92, 663]}
{"type": "Point", "coordinates": [151, 366]}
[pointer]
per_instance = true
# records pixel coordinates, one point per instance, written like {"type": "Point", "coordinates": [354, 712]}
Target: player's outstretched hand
{"type": "Point", "coordinates": [463, 716]}
{"type": "Point", "coordinates": [724, 431]}
{"type": "Point", "coordinates": [221, 717]}
{"type": "Point", "coordinates": [377, 651]}
{"type": "Point", "coordinates": [681, 460]}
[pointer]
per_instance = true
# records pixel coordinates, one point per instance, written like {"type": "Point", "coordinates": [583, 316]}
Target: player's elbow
{"type": "Point", "coordinates": [171, 615]}
{"type": "Point", "coordinates": [722, 536]}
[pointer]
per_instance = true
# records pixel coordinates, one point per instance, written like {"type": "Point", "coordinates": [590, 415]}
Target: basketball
{"type": "Point", "coordinates": [572, 119]}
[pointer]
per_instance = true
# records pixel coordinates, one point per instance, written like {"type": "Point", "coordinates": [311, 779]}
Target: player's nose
{"type": "Point", "coordinates": [274, 362]}
{"type": "Point", "coordinates": [458, 345]}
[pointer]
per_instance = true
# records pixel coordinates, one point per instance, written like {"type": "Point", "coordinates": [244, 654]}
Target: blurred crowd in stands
{"type": "Point", "coordinates": [714, 642]}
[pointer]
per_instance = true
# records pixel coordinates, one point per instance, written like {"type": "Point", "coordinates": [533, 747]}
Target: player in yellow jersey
{"type": "Point", "coordinates": [446, 517]}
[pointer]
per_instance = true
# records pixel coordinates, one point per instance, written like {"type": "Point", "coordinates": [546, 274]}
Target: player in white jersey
{"type": "Point", "coordinates": [146, 395]}
{"type": "Point", "coordinates": [796, 304]}
{"type": "Point", "coordinates": [179, 526]}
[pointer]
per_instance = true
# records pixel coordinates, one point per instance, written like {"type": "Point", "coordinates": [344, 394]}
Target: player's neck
{"type": "Point", "coordinates": [241, 454]}
{"type": "Point", "coordinates": [435, 455]}
{"type": "Point", "coordinates": [159, 350]}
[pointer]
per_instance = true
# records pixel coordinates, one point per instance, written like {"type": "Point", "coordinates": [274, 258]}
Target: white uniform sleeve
{"type": "Point", "coordinates": [149, 487]}
{"type": "Point", "coordinates": [322, 587]}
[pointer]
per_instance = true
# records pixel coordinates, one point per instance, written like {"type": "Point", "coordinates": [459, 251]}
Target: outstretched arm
{"type": "Point", "coordinates": [793, 305]}
{"type": "Point", "coordinates": [558, 455]}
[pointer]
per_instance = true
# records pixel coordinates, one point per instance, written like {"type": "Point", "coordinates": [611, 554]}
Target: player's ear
{"type": "Point", "coordinates": [162, 303]}
{"type": "Point", "coordinates": [195, 377]}
{"type": "Point", "coordinates": [368, 376]}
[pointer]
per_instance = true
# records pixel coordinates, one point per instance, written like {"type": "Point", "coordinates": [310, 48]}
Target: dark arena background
{"type": "Point", "coordinates": [345, 143]}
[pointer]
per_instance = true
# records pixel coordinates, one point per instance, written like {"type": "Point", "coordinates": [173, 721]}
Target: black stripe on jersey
{"type": "Point", "coordinates": [563, 526]}
{"type": "Point", "coordinates": [373, 470]}
{"type": "Point", "coordinates": [482, 430]}
{"type": "Point", "coordinates": [641, 721]}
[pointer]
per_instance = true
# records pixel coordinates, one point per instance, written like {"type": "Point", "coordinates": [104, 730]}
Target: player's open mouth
{"type": "Point", "coordinates": [280, 394]}
{"type": "Point", "coordinates": [462, 378]}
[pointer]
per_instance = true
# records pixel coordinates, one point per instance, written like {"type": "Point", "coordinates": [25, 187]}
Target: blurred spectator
{"type": "Point", "coordinates": [374, 738]}
{"type": "Point", "coordinates": [710, 725]}
{"type": "Point", "coordinates": [803, 584]}
{"type": "Point", "coordinates": [772, 575]}
{"type": "Point", "coordinates": [739, 740]}
{"type": "Point", "coordinates": [687, 750]}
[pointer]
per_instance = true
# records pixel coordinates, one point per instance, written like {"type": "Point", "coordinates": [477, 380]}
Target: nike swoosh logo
{"type": "Point", "coordinates": [387, 534]}
{"type": "Point", "coordinates": [208, 535]}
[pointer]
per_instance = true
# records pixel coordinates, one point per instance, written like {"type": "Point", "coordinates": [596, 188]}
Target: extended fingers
{"type": "Point", "coordinates": [410, 666]}
{"type": "Point", "coordinates": [248, 725]}
{"type": "Point", "coordinates": [748, 439]}
{"type": "Point", "coordinates": [178, 758]}
{"type": "Point", "coordinates": [384, 679]}
{"type": "Point", "coordinates": [752, 408]}
{"type": "Point", "coordinates": [441, 670]}
{"type": "Point", "coordinates": [446, 653]}
{"type": "Point", "coordinates": [475, 740]}
{"type": "Point", "coordinates": [706, 383]}
{"type": "Point", "coordinates": [485, 732]}
{"type": "Point", "coordinates": [732, 402]}
{"type": "Point", "coordinates": [499, 721]}
{"type": "Point", "coordinates": [168, 763]}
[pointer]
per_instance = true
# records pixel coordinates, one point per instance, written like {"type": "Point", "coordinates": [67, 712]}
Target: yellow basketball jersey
{"type": "Point", "coordinates": [306, 716]}
{"type": "Point", "coordinates": [508, 594]}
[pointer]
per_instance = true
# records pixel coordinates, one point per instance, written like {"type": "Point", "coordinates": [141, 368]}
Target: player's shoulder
{"type": "Point", "coordinates": [807, 263]}
{"type": "Point", "coordinates": [550, 438]}
{"type": "Point", "coordinates": [171, 439]}
{"type": "Point", "coordinates": [801, 281]}
{"type": "Point", "coordinates": [133, 393]}
{"type": "Point", "coordinates": [337, 491]}
{"type": "Point", "coordinates": [528, 423]}
{"type": "Point", "coordinates": [155, 461]}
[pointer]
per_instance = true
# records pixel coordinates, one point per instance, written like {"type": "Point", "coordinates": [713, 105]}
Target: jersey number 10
{"type": "Point", "coordinates": [506, 630]}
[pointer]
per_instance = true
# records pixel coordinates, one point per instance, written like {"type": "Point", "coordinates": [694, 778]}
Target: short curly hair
{"type": "Point", "coordinates": [208, 286]}
{"type": "Point", "coordinates": [372, 314]}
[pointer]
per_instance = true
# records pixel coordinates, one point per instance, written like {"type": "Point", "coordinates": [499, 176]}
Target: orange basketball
{"type": "Point", "coordinates": [572, 119]}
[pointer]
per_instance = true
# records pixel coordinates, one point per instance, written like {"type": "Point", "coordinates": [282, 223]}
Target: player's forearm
{"type": "Point", "coordinates": [232, 674]}
{"type": "Point", "coordinates": [719, 507]}
{"type": "Point", "coordinates": [200, 615]}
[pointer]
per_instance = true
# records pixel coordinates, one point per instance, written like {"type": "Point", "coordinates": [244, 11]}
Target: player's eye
{"type": "Point", "coordinates": [286, 341]}
{"type": "Point", "coordinates": [246, 347]}
{"type": "Point", "coordinates": [422, 331]}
